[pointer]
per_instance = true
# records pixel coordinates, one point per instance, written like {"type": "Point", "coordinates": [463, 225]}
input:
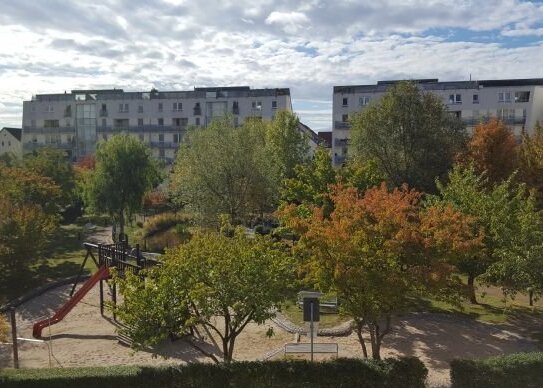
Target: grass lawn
{"type": "Point", "coordinates": [61, 259]}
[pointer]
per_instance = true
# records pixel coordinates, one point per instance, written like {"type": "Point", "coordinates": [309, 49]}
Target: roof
{"type": "Point", "coordinates": [15, 132]}
{"type": "Point", "coordinates": [309, 132]}
{"type": "Point", "coordinates": [326, 138]}
{"type": "Point", "coordinates": [221, 92]}
{"type": "Point", "coordinates": [434, 84]}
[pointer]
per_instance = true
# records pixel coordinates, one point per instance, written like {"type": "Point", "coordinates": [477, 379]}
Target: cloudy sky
{"type": "Point", "coordinates": [49, 46]}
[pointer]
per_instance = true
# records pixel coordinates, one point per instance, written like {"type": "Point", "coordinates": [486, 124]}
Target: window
{"type": "Point", "coordinates": [344, 118]}
{"type": "Point", "coordinates": [123, 108]}
{"type": "Point", "coordinates": [140, 108]}
{"type": "Point", "coordinates": [345, 101]}
{"type": "Point", "coordinates": [177, 106]}
{"type": "Point", "coordinates": [161, 153]}
{"type": "Point", "coordinates": [475, 98]}
{"type": "Point", "coordinates": [176, 138]}
{"type": "Point", "coordinates": [67, 123]}
{"type": "Point", "coordinates": [522, 96]}
{"type": "Point", "coordinates": [104, 122]}
{"type": "Point", "coordinates": [197, 110]}
{"type": "Point", "coordinates": [121, 124]}
{"type": "Point", "coordinates": [180, 122]}
{"type": "Point", "coordinates": [235, 107]}
{"type": "Point", "coordinates": [197, 121]}
{"type": "Point", "coordinates": [103, 110]}
{"type": "Point", "coordinates": [104, 137]}
{"type": "Point", "coordinates": [49, 108]}
{"type": "Point", "coordinates": [161, 137]}
{"type": "Point", "coordinates": [257, 105]}
{"type": "Point", "coordinates": [160, 121]}
{"type": "Point", "coordinates": [274, 104]}
{"type": "Point", "coordinates": [504, 114]}
{"type": "Point", "coordinates": [160, 107]}
{"type": "Point", "coordinates": [140, 122]}
{"type": "Point", "coordinates": [364, 101]}
{"type": "Point", "coordinates": [504, 97]}
{"type": "Point", "coordinates": [455, 98]}
{"type": "Point", "coordinates": [50, 124]}
{"type": "Point", "coordinates": [68, 111]}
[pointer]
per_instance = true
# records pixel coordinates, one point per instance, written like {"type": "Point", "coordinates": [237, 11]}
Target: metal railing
{"type": "Point", "coordinates": [341, 125]}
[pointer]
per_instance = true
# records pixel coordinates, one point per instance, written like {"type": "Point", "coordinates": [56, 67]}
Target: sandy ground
{"type": "Point", "coordinates": [84, 338]}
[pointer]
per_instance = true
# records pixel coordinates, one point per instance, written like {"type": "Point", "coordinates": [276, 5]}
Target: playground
{"type": "Point", "coordinates": [75, 333]}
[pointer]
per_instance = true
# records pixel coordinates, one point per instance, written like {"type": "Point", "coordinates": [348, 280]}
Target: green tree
{"type": "Point", "coordinates": [286, 144]}
{"type": "Point", "coordinates": [224, 169]}
{"type": "Point", "coordinates": [124, 172]}
{"type": "Point", "coordinates": [52, 163]}
{"type": "Point", "coordinates": [409, 134]}
{"type": "Point", "coordinates": [215, 282]}
{"type": "Point", "coordinates": [28, 215]}
{"type": "Point", "coordinates": [499, 210]}
{"type": "Point", "coordinates": [530, 161]}
{"type": "Point", "coordinates": [311, 181]}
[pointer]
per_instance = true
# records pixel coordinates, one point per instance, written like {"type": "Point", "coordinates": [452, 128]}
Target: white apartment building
{"type": "Point", "coordinates": [76, 121]}
{"type": "Point", "coordinates": [517, 102]}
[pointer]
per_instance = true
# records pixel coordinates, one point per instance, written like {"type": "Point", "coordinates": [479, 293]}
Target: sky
{"type": "Point", "coordinates": [49, 46]}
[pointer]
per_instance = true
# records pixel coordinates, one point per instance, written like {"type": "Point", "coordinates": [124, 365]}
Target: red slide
{"type": "Point", "coordinates": [102, 273]}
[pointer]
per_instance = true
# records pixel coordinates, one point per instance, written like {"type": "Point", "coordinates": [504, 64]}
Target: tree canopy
{"type": "Point", "coordinates": [409, 134]}
{"type": "Point", "coordinates": [377, 249]}
{"type": "Point", "coordinates": [216, 282]}
{"type": "Point", "coordinates": [492, 150]}
{"type": "Point", "coordinates": [125, 170]}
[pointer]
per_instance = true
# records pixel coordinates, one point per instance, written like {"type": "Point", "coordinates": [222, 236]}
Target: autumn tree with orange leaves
{"type": "Point", "coordinates": [493, 150]}
{"type": "Point", "coordinates": [378, 249]}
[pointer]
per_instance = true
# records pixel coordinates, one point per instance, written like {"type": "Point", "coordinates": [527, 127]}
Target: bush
{"type": "Point", "coordinates": [163, 222]}
{"type": "Point", "coordinates": [406, 372]}
{"type": "Point", "coordinates": [513, 370]}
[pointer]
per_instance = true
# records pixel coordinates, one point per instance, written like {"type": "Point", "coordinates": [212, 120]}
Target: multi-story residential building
{"type": "Point", "coordinates": [517, 102]}
{"type": "Point", "coordinates": [76, 121]}
{"type": "Point", "coordinates": [10, 142]}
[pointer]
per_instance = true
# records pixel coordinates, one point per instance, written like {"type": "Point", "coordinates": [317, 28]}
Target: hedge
{"type": "Point", "coordinates": [405, 372]}
{"type": "Point", "coordinates": [513, 370]}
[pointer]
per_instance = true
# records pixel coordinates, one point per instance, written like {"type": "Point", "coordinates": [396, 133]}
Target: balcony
{"type": "Point", "coordinates": [49, 130]}
{"type": "Point", "coordinates": [103, 112]}
{"type": "Point", "coordinates": [163, 144]}
{"type": "Point", "coordinates": [340, 159]}
{"type": "Point", "coordinates": [341, 125]}
{"type": "Point", "coordinates": [341, 142]}
{"type": "Point", "coordinates": [470, 121]}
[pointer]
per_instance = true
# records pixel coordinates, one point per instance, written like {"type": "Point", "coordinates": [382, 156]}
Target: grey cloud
{"type": "Point", "coordinates": [97, 47]}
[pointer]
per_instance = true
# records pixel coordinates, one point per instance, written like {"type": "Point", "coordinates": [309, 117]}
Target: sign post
{"type": "Point", "coordinates": [311, 315]}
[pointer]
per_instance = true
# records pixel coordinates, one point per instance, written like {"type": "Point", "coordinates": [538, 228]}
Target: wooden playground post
{"type": "Point", "coordinates": [101, 297]}
{"type": "Point", "coordinates": [14, 338]}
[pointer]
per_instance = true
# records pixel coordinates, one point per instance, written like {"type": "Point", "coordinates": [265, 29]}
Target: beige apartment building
{"type": "Point", "coordinates": [517, 102]}
{"type": "Point", "coordinates": [76, 121]}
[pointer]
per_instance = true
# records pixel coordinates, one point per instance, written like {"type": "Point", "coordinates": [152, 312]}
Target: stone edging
{"type": "Point", "coordinates": [39, 291]}
{"type": "Point", "coordinates": [283, 322]}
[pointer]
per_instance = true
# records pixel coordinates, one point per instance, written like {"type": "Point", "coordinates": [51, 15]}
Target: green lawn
{"type": "Point", "coordinates": [61, 259]}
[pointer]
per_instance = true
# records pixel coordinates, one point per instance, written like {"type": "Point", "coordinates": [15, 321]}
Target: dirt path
{"type": "Point", "coordinates": [84, 338]}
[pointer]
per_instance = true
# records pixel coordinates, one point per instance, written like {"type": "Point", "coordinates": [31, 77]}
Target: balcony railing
{"type": "Point", "coordinates": [340, 159]}
{"type": "Point", "coordinates": [103, 112]}
{"type": "Point", "coordinates": [486, 119]}
{"type": "Point", "coordinates": [49, 130]}
{"type": "Point", "coordinates": [341, 142]}
{"type": "Point", "coordinates": [163, 144]}
{"type": "Point", "coordinates": [341, 125]}
{"type": "Point", "coordinates": [142, 128]}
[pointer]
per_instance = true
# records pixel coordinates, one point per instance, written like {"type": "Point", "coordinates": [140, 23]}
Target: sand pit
{"type": "Point", "coordinates": [84, 338]}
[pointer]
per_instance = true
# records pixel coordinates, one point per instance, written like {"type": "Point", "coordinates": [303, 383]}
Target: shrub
{"type": "Point", "coordinates": [513, 370]}
{"type": "Point", "coordinates": [163, 222]}
{"type": "Point", "coordinates": [406, 372]}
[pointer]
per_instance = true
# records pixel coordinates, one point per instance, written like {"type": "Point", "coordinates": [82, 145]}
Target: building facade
{"type": "Point", "coordinates": [78, 120]}
{"type": "Point", "coordinates": [10, 142]}
{"type": "Point", "coordinates": [517, 102]}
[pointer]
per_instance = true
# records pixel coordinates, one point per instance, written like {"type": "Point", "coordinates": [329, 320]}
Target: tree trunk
{"type": "Point", "coordinates": [375, 341]}
{"type": "Point", "coordinates": [359, 327]}
{"type": "Point", "coordinates": [531, 297]}
{"type": "Point", "coordinates": [471, 289]}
